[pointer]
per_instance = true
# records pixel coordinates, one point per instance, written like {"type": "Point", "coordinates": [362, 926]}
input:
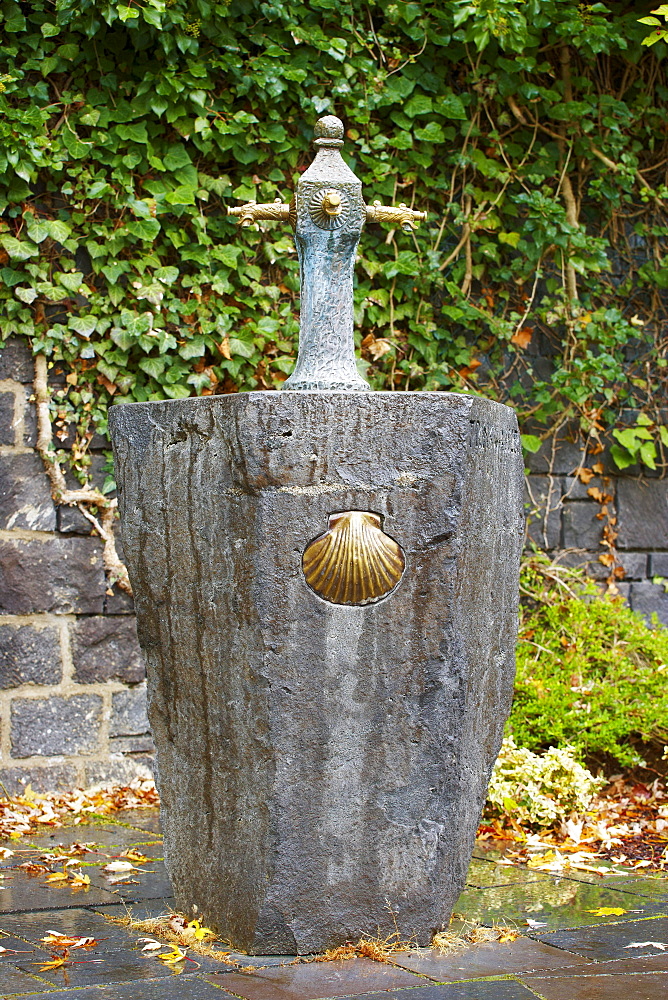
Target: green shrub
{"type": "Point", "coordinates": [590, 673]}
{"type": "Point", "coordinates": [538, 790]}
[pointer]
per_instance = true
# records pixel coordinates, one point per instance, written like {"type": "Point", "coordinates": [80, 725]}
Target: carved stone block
{"type": "Point", "coordinates": [323, 755]}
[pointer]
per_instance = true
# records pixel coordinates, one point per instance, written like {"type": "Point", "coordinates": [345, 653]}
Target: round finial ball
{"type": "Point", "coordinates": [329, 127]}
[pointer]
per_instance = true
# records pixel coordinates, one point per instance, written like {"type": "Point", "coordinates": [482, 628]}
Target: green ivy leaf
{"type": "Point", "coordinates": [167, 275]}
{"type": "Point", "coordinates": [135, 133]}
{"type": "Point", "coordinates": [241, 347]}
{"type": "Point", "coordinates": [145, 229]}
{"type": "Point", "coordinates": [83, 325]}
{"type": "Point", "coordinates": [57, 230]}
{"type": "Point", "coordinates": [418, 105]}
{"type": "Point", "coordinates": [70, 280]}
{"type": "Point", "coordinates": [19, 249]}
{"type": "Point", "coordinates": [531, 443]}
{"type": "Point", "coordinates": [152, 366]}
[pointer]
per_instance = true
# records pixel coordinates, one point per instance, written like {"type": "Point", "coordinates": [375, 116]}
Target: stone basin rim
{"type": "Point", "coordinates": [360, 399]}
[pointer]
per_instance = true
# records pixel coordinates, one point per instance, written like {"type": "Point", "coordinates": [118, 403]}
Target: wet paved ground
{"type": "Point", "coordinates": [567, 952]}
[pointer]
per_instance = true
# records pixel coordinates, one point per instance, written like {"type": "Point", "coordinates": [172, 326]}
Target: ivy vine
{"type": "Point", "coordinates": [534, 132]}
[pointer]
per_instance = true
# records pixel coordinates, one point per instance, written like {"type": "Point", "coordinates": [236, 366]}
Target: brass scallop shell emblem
{"type": "Point", "coordinates": [354, 561]}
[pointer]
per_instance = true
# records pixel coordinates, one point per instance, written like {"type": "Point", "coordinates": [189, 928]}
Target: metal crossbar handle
{"type": "Point", "coordinates": [327, 215]}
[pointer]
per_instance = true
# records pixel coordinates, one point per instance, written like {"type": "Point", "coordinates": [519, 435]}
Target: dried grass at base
{"type": "Point", "coordinates": [471, 932]}
{"type": "Point", "coordinates": [172, 928]}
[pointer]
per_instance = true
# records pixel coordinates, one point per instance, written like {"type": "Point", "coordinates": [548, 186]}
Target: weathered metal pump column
{"type": "Point", "coordinates": [326, 589]}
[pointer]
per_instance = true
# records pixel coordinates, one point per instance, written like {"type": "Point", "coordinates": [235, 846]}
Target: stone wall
{"type": "Point", "coordinates": [72, 691]}
{"type": "Point", "coordinates": [569, 515]}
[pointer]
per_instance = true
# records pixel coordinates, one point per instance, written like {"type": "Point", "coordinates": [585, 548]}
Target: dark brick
{"type": "Point", "coordinates": [119, 770]}
{"type": "Point", "coordinates": [635, 565]}
{"type": "Point", "coordinates": [29, 655]}
{"type": "Point", "coordinates": [51, 778]}
{"type": "Point", "coordinates": [106, 649]}
{"type": "Point", "coordinates": [72, 522]}
{"type": "Point", "coordinates": [582, 528]}
{"type": "Point", "coordinates": [649, 599]}
{"type": "Point", "coordinates": [128, 712]}
{"type": "Point", "coordinates": [579, 559]}
{"type": "Point", "coordinates": [47, 727]}
{"type": "Point", "coordinates": [643, 514]}
{"type": "Point", "coordinates": [658, 563]}
{"type": "Point", "coordinates": [29, 420]}
{"type": "Point", "coordinates": [7, 416]}
{"type": "Point", "coordinates": [118, 603]}
{"type": "Point", "coordinates": [16, 361]}
{"type": "Point", "coordinates": [565, 459]}
{"type": "Point", "coordinates": [544, 530]}
{"type": "Point", "coordinates": [574, 489]}
{"type": "Point", "coordinates": [60, 575]}
{"type": "Point", "coordinates": [25, 495]}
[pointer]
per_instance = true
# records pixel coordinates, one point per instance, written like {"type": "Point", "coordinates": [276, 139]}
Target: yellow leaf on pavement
{"type": "Point", "coordinates": [173, 957]}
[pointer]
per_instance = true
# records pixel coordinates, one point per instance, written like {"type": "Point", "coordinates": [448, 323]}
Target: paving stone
{"type": "Point", "coordinates": [116, 967]}
{"type": "Point", "coordinates": [60, 575]}
{"type": "Point", "coordinates": [23, 892]}
{"type": "Point", "coordinates": [13, 982]}
{"type": "Point", "coordinates": [654, 961]}
{"type": "Point", "coordinates": [13, 943]}
{"type": "Point", "coordinates": [649, 986]}
{"type": "Point", "coordinates": [603, 942]}
{"type": "Point", "coordinates": [106, 837]}
{"type": "Point", "coordinates": [50, 726]}
{"type": "Point", "coordinates": [16, 361]}
{"type": "Point", "coordinates": [642, 508]}
{"type": "Point", "coordinates": [142, 910]}
{"type": "Point", "coordinates": [258, 961]}
{"type": "Point", "coordinates": [7, 428]}
{"type": "Point", "coordinates": [139, 885]}
{"type": "Point", "coordinates": [543, 511]}
{"type": "Point", "coordinates": [487, 959]}
{"type": "Point", "coordinates": [25, 495]}
{"type": "Point", "coordinates": [563, 904]}
{"type": "Point", "coordinates": [75, 922]}
{"type": "Point", "coordinates": [482, 873]}
{"type": "Point", "coordinates": [322, 980]}
{"type": "Point", "coordinates": [650, 599]}
{"type": "Point", "coordinates": [29, 655]}
{"type": "Point", "coordinates": [172, 988]}
{"type": "Point", "coordinates": [645, 886]}
{"type": "Point", "coordinates": [141, 819]}
{"type": "Point", "coordinates": [106, 649]}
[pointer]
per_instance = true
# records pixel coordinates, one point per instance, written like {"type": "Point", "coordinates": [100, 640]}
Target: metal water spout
{"type": "Point", "coordinates": [328, 215]}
